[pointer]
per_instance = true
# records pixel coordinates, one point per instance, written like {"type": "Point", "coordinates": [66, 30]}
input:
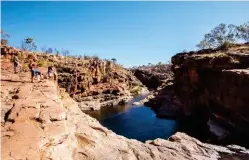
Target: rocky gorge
{"type": "Point", "coordinates": [45, 121]}
{"type": "Point", "coordinates": [208, 92]}
{"type": "Point", "coordinates": [159, 79]}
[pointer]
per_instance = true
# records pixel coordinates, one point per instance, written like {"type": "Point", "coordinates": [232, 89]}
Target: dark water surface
{"type": "Point", "coordinates": [136, 122]}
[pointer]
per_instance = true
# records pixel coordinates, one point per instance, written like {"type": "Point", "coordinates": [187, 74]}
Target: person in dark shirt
{"type": "Point", "coordinates": [50, 72]}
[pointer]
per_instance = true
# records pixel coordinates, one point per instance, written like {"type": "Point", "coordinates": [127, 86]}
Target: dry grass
{"type": "Point", "coordinates": [210, 55]}
{"type": "Point", "coordinates": [216, 55]}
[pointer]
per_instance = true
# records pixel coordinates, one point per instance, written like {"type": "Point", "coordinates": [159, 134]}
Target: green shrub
{"type": "Point", "coordinates": [136, 89]}
{"type": "Point", "coordinates": [226, 45]}
{"type": "Point", "coordinates": [21, 56]}
{"type": "Point", "coordinates": [25, 67]}
{"type": "Point", "coordinates": [42, 63]}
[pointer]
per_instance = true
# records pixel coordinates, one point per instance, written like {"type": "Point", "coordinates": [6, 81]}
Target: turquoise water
{"type": "Point", "coordinates": [136, 122]}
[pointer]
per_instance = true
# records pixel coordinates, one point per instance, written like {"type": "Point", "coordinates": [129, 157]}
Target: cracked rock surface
{"type": "Point", "coordinates": [40, 122]}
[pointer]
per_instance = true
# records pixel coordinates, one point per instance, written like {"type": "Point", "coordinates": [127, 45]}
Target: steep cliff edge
{"type": "Point", "coordinates": [41, 122]}
{"type": "Point", "coordinates": [213, 85]}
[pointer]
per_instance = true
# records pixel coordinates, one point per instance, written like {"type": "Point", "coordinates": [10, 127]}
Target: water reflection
{"type": "Point", "coordinates": [137, 122]}
{"type": "Point", "coordinates": [108, 112]}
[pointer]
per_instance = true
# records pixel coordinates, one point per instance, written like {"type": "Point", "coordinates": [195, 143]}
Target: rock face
{"type": "Point", "coordinates": [88, 80]}
{"type": "Point", "coordinates": [153, 76]}
{"type": "Point", "coordinates": [159, 78]}
{"type": "Point", "coordinates": [162, 99]}
{"type": "Point", "coordinates": [214, 85]}
{"type": "Point", "coordinates": [42, 122]}
{"type": "Point", "coordinates": [164, 102]}
{"type": "Point", "coordinates": [104, 82]}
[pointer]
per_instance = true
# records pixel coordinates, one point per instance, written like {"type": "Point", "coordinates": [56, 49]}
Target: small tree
{"type": "Point", "coordinates": [4, 38]}
{"type": "Point", "coordinates": [114, 60]}
{"type": "Point", "coordinates": [57, 52]}
{"type": "Point", "coordinates": [95, 57]}
{"type": "Point", "coordinates": [225, 35]}
{"type": "Point", "coordinates": [65, 53]}
{"type": "Point", "coordinates": [43, 49]}
{"type": "Point", "coordinates": [243, 31]}
{"type": "Point", "coordinates": [28, 44]}
{"type": "Point", "coordinates": [218, 36]}
{"type": "Point", "coordinates": [86, 57]}
{"type": "Point", "coordinates": [47, 50]}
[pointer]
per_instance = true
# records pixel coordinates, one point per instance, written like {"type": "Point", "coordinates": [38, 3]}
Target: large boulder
{"type": "Point", "coordinates": [89, 105]}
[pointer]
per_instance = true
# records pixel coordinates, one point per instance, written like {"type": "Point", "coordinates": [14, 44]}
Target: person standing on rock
{"type": "Point", "coordinates": [52, 75]}
{"type": "Point", "coordinates": [17, 63]}
{"type": "Point", "coordinates": [34, 72]}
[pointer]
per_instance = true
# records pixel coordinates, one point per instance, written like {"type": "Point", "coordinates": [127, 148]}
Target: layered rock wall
{"type": "Point", "coordinates": [97, 80]}
{"type": "Point", "coordinates": [215, 85]}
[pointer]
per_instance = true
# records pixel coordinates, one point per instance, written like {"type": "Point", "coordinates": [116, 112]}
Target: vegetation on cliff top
{"type": "Point", "coordinates": [225, 35]}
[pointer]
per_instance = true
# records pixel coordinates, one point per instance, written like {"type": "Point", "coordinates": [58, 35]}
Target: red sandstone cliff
{"type": "Point", "coordinates": [213, 85]}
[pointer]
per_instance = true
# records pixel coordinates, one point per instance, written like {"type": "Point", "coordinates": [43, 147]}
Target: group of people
{"type": "Point", "coordinates": [35, 73]}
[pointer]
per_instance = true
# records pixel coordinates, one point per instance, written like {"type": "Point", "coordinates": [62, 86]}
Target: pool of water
{"type": "Point", "coordinates": [136, 122]}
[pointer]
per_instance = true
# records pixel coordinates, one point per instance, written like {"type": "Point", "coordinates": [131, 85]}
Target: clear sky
{"type": "Point", "coordinates": [134, 33]}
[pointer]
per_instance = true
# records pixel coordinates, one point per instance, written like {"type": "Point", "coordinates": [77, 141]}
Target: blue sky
{"type": "Point", "coordinates": [134, 33]}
